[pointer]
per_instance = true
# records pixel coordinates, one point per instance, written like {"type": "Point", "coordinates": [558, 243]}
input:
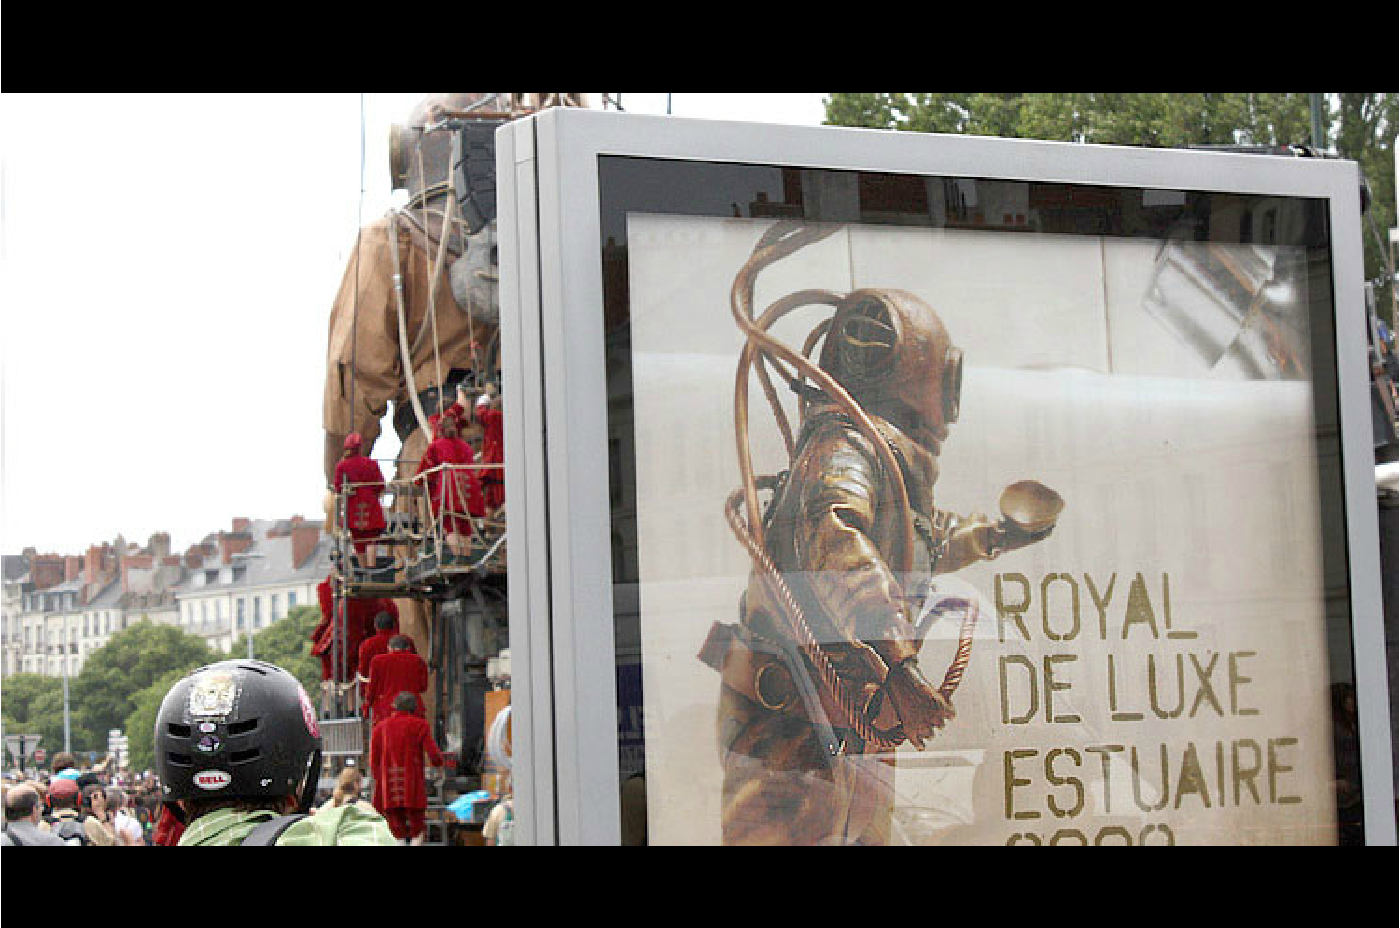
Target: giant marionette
{"type": "Point", "coordinates": [414, 324]}
{"type": "Point", "coordinates": [823, 677]}
{"type": "Point", "coordinates": [405, 328]}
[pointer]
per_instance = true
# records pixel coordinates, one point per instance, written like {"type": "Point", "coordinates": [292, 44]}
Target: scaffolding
{"type": "Point", "coordinates": [426, 559]}
{"type": "Point", "coordinates": [429, 549]}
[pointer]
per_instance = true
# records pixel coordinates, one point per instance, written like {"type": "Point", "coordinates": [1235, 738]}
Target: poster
{"type": "Point", "coordinates": [1153, 669]}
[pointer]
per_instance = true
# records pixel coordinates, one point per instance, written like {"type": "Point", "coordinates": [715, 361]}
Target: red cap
{"type": "Point", "coordinates": [62, 786]}
{"type": "Point", "coordinates": [352, 440]}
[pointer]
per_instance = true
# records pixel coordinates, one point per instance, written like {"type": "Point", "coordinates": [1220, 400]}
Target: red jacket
{"type": "Point", "coordinates": [359, 625]}
{"type": "Point", "coordinates": [396, 751]}
{"type": "Point", "coordinates": [493, 434]}
{"type": "Point", "coordinates": [373, 647]}
{"type": "Point", "coordinates": [376, 645]}
{"type": "Point", "coordinates": [452, 492]}
{"type": "Point", "coordinates": [391, 674]}
{"type": "Point", "coordinates": [363, 512]}
{"type": "Point", "coordinates": [492, 452]}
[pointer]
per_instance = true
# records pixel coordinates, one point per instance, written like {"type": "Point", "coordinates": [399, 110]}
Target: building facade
{"type": "Point", "coordinates": [59, 609]}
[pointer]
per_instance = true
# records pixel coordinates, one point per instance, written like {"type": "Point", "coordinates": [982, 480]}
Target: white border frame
{"type": "Point", "coordinates": [555, 393]}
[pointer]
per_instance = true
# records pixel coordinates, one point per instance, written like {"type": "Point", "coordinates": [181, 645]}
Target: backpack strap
{"type": "Point", "coordinates": [266, 833]}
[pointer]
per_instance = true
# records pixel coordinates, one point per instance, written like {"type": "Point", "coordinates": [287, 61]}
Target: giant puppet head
{"type": "Point", "coordinates": [889, 350]}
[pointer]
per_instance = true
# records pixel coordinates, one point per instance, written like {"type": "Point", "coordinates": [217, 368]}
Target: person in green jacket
{"type": "Point", "coordinates": [238, 754]}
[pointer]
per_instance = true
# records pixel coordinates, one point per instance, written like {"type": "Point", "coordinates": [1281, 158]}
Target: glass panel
{"type": "Point", "coordinates": [949, 510]}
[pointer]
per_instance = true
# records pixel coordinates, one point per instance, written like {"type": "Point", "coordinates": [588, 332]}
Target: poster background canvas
{"type": "Point", "coordinates": [1197, 480]}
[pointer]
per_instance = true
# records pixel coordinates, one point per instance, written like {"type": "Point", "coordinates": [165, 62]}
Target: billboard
{"type": "Point", "coordinates": [945, 491]}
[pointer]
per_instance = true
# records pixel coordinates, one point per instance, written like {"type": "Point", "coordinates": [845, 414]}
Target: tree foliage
{"type": "Point", "coordinates": [140, 725]}
{"type": "Point", "coordinates": [33, 705]}
{"type": "Point", "coordinates": [287, 643]}
{"type": "Point", "coordinates": [102, 696]}
{"type": "Point", "coordinates": [123, 683]}
{"type": "Point", "coordinates": [1357, 126]}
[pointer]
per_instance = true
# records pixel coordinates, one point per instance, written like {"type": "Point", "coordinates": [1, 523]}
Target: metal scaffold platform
{"type": "Point", "coordinates": [433, 551]}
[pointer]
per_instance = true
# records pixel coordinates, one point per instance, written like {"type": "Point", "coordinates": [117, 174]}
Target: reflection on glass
{"type": "Point", "coordinates": [935, 534]}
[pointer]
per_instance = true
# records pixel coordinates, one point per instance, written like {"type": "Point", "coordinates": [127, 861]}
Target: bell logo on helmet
{"type": "Point", "coordinates": [212, 779]}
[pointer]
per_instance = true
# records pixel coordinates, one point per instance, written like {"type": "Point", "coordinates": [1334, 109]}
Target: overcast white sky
{"type": "Point", "coordinates": [169, 262]}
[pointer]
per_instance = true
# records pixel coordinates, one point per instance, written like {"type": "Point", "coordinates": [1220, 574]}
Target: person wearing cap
{"type": "Point", "coordinates": [65, 818]}
{"type": "Point", "coordinates": [363, 514]}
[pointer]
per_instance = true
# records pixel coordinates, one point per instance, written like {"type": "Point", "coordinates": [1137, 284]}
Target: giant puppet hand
{"type": "Point", "coordinates": [920, 707]}
{"type": "Point", "coordinates": [1029, 513]}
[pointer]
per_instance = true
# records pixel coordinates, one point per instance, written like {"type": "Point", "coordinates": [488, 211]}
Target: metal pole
{"type": "Point", "coordinates": [67, 736]}
{"type": "Point", "coordinates": [1319, 142]}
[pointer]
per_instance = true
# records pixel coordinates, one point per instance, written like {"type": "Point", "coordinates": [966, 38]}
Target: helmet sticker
{"type": "Point", "coordinates": [308, 714]}
{"type": "Point", "coordinates": [213, 779]}
{"type": "Point", "coordinates": [214, 694]}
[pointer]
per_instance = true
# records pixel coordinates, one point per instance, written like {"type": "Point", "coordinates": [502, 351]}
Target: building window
{"type": "Point", "coordinates": [273, 614]}
{"type": "Point", "coordinates": [291, 601]}
{"type": "Point", "coordinates": [242, 612]}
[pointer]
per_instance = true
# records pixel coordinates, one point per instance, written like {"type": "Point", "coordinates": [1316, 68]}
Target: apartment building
{"type": "Point", "coordinates": [253, 576]}
{"type": "Point", "coordinates": [58, 609]}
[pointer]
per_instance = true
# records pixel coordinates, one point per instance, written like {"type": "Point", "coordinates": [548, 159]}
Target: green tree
{"type": "Point", "coordinates": [140, 725]}
{"type": "Point", "coordinates": [1357, 126]}
{"type": "Point", "coordinates": [128, 663]}
{"type": "Point", "coordinates": [287, 643]}
{"type": "Point", "coordinates": [33, 705]}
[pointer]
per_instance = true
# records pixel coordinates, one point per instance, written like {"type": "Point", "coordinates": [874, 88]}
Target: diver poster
{"type": "Point", "coordinates": [954, 536]}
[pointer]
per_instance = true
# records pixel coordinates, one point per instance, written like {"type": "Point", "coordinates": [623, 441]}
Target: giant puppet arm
{"type": "Point", "coordinates": [395, 330]}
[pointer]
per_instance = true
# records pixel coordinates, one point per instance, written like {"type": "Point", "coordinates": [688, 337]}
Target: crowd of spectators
{"type": "Point", "coordinates": [73, 804]}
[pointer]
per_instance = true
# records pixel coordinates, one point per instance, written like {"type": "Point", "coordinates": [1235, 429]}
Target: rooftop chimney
{"type": "Point", "coordinates": [305, 536]}
{"type": "Point", "coordinates": [233, 543]}
{"type": "Point", "coordinates": [133, 560]}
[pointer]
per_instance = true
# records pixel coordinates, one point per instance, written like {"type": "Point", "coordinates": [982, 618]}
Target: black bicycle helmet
{"type": "Point", "coordinates": [238, 729]}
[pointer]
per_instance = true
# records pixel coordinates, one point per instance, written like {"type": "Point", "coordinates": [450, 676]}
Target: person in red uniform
{"type": "Point", "coordinates": [361, 622]}
{"type": "Point", "coordinates": [396, 671]}
{"type": "Point", "coordinates": [320, 635]}
{"type": "Point", "coordinates": [493, 480]}
{"type": "Point", "coordinates": [359, 626]}
{"type": "Point", "coordinates": [168, 829]}
{"type": "Point", "coordinates": [364, 516]}
{"type": "Point", "coordinates": [457, 412]}
{"type": "Point", "coordinates": [386, 628]}
{"type": "Point", "coordinates": [454, 491]}
{"type": "Point", "coordinates": [397, 750]}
